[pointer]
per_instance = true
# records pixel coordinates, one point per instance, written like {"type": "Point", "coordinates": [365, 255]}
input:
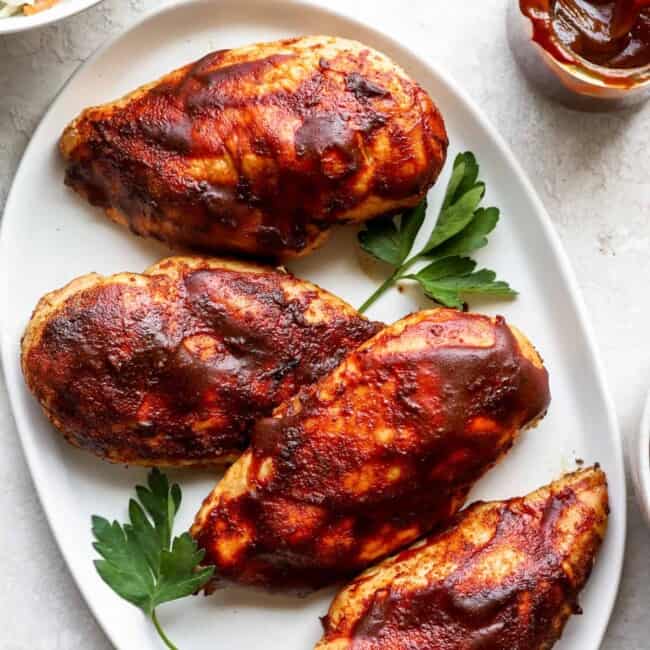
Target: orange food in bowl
{"type": "Point", "coordinates": [38, 6]}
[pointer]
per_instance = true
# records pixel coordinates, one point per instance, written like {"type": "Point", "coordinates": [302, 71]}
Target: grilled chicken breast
{"type": "Point", "coordinates": [503, 575]}
{"type": "Point", "coordinates": [260, 149]}
{"type": "Point", "coordinates": [172, 366]}
{"type": "Point", "coordinates": [375, 453]}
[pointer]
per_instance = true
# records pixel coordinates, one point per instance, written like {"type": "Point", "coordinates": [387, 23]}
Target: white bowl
{"type": "Point", "coordinates": [639, 455]}
{"type": "Point", "coordinates": [59, 11]}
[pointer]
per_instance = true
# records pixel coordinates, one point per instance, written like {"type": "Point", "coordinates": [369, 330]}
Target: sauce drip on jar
{"type": "Point", "coordinates": [613, 34]}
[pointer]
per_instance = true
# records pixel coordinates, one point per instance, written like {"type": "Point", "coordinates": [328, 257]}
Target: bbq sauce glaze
{"type": "Point", "coordinates": [610, 34]}
{"type": "Point", "coordinates": [499, 575]}
{"type": "Point", "coordinates": [374, 455]}
{"type": "Point", "coordinates": [174, 371]}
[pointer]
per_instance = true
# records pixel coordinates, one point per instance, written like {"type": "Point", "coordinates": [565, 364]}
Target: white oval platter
{"type": "Point", "coordinates": [49, 236]}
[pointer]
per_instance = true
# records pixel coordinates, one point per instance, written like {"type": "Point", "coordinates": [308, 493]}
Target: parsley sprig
{"type": "Point", "coordinates": [140, 562]}
{"type": "Point", "coordinates": [461, 228]}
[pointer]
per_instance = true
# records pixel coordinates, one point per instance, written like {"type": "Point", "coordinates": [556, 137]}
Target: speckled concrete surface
{"type": "Point", "coordinates": [593, 174]}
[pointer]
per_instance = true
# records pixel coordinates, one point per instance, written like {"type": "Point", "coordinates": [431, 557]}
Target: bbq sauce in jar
{"type": "Point", "coordinates": [590, 49]}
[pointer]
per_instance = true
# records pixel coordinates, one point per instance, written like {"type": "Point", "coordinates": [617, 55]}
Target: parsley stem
{"type": "Point", "coordinates": [389, 282]}
{"type": "Point", "coordinates": [161, 633]}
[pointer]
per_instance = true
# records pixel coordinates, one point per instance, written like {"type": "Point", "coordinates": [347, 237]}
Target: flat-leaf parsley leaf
{"type": "Point", "coordinates": [461, 228]}
{"type": "Point", "coordinates": [139, 560]}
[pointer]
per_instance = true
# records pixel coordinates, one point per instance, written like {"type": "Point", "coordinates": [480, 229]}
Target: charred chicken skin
{"type": "Point", "coordinates": [503, 575]}
{"type": "Point", "coordinates": [260, 149]}
{"type": "Point", "coordinates": [374, 454]}
{"type": "Point", "coordinates": [171, 367]}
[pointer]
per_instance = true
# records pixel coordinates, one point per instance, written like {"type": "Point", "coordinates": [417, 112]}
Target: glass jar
{"type": "Point", "coordinates": [575, 82]}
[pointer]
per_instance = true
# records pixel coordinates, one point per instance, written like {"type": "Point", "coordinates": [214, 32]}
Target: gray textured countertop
{"type": "Point", "coordinates": [592, 172]}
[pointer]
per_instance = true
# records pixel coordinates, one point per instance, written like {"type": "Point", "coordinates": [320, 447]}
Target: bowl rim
{"type": "Point", "coordinates": [64, 9]}
{"type": "Point", "coordinates": [639, 454]}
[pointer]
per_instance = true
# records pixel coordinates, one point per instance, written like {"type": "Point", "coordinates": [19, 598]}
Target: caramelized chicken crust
{"type": "Point", "coordinates": [501, 575]}
{"type": "Point", "coordinates": [260, 149]}
{"type": "Point", "coordinates": [374, 454]}
{"type": "Point", "coordinates": [171, 367]}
